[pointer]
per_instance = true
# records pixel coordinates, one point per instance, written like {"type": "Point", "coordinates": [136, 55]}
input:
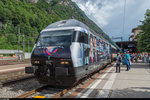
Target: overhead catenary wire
{"type": "Point", "coordinates": [87, 9]}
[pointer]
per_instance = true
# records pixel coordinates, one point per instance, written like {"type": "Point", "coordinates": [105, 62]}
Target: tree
{"type": "Point", "coordinates": [144, 37]}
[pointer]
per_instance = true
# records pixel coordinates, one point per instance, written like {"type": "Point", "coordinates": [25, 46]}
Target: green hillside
{"type": "Point", "coordinates": [31, 18]}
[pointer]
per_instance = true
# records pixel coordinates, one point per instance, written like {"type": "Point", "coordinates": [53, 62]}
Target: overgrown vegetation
{"type": "Point", "coordinates": [144, 36]}
{"type": "Point", "coordinates": [31, 18]}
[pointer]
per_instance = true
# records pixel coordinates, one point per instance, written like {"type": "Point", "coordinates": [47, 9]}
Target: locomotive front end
{"type": "Point", "coordinates": [51, 58]}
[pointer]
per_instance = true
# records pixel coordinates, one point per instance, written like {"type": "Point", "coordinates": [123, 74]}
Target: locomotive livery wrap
{"type": "Point", "coordinates": [67, 51]}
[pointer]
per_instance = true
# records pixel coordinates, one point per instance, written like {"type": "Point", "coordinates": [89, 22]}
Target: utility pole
{"type": "Point", "coordinates": [124, 15]}
{"type": "Point", "coordinates": [121, 38]}
{"type": "Point", "coordinates": [23, 48]}
{"type": "Point", "coordinates": [28, 45]}
{"type": "Point", "coordinates": [19, 43]}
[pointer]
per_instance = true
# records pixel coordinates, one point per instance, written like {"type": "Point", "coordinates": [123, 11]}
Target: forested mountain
{"type": "Point", "coordinates": [31, 16]}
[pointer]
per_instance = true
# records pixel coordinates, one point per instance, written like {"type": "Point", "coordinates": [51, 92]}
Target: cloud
{"type": "Point", "coordinates": [108, 14]}
{"type": "Point", "coordinates": [100, 10]}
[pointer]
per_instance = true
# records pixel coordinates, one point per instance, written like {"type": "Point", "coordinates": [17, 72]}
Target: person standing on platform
{"type": "Point", "coordinates": [149, 59]}
{"type": "Point", "coordinates": [119, 60]}
{"type": "Point", "coordinates": [136, 58]}
{"type": "Point", "coordinates": [127, 60]}
{"type": "Point", "coordinates": [132, 57]}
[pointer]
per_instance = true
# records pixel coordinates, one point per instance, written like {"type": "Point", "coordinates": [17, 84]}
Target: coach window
{"type": "Point", "coordinates": [83, 38]}
{"type": "Point", "coordinates": [94, 41]}
{"type": "Point", "coordinates": [100, 43]}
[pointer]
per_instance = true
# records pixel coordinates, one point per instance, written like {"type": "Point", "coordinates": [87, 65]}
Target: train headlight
{"type": "Point", "coordinates": [64, 62]}
{"type": "Point", "coordinates": [36, 62]}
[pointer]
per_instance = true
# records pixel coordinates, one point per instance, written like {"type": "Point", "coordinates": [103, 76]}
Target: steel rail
{"type": "Point", "coordinates": [32, 92]}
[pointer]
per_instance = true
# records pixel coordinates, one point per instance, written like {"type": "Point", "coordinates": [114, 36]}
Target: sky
{"type": "Point", "coordinates": [110, 17]}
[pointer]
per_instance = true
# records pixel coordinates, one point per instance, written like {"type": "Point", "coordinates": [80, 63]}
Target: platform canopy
{"type": "Point", "coordinates": [128, 46]}
{"type": "Point", "coordinates": [3, 51]}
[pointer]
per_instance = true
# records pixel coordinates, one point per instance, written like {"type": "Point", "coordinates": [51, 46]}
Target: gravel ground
{"type": "Point", "coordinates": [19, 88]}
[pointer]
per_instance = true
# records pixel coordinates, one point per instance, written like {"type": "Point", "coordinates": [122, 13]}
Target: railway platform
{"type": "Point", "coordinates": [134, 83]}
{"type": "Point", "coordinates": [8, 68]}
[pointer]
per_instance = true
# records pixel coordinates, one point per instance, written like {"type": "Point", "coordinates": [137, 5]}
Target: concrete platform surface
{"type": "Point", "coordinates": [134, 83]}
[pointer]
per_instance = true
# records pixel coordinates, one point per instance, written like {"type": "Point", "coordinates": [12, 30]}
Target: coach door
{"type": "Point", "coordinates": [83, 39]}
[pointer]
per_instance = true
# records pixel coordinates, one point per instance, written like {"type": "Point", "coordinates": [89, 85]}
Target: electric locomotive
{"type": "Point", "coordinates": [67, 51]}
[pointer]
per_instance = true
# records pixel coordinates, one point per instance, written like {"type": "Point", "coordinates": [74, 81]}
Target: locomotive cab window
{"type": "Point", "coordinates": [55, 38]}
{"type": "Point", "coordinates": [80, 37]}
{"type": "Point", "coordinates": [83, 38]}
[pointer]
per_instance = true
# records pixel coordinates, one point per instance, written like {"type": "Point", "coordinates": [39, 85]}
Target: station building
{"type": "Point", "coordinates": [130, 45]}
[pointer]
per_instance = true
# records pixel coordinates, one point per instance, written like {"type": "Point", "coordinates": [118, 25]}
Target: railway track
{"type": "Point", "coordinates": [13, 71]}
{"type": "Point", "coordinates": [53, 92]}
{"type": "Point", "coordinates": [15, 88]}
{"type": "Point", "coordinates": [11, 80]}
{"type": "Point", "coordinates": [9, 77]}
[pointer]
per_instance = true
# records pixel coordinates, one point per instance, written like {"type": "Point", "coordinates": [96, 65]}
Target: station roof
{"type": "Point", "coordinates": [126, 42]}
{"type": "Point", "coordinates": [2, 51]}
{"type": "Point", "coordinates": [137, 28]}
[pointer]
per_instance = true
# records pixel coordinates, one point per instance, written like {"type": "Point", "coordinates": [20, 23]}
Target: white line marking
{"type": "Point", "coordinates": [4, 70]}
{"type": "Point", "coordinates": [94, 84]}
{"type": "Point", "coordinates": [105, 90]}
